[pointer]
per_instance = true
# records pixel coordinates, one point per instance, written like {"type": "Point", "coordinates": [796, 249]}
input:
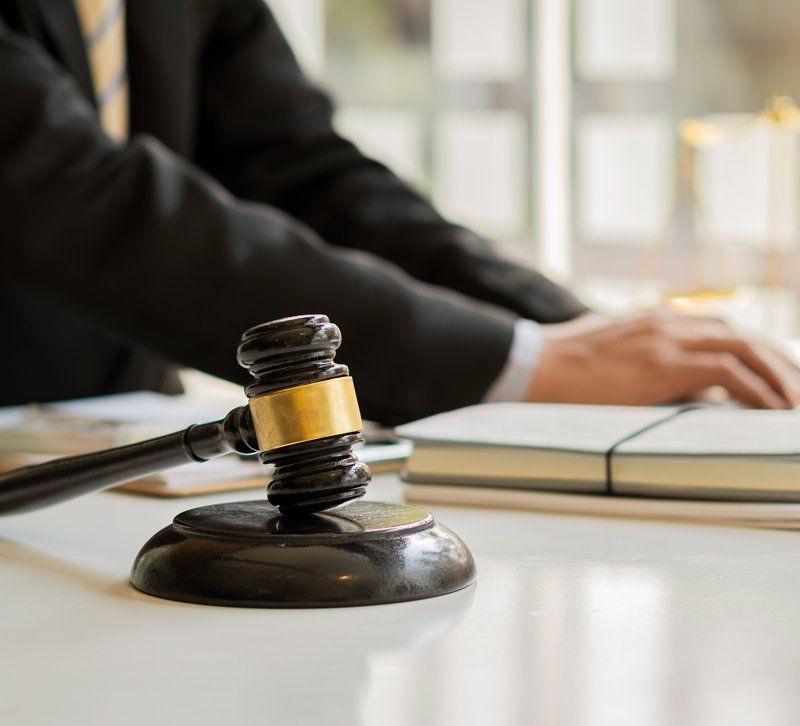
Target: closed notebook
{"type": "Point", "coordinates": [720, 453]}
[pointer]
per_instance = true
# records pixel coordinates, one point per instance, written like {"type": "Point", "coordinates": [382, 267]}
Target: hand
{"type": "Point", "coordinates": [659, 357]}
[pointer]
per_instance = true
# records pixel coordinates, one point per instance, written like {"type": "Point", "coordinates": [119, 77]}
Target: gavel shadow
{"type": "Point", "coordinates": [297, 680]}
{"type": "Point", "coordinates": [308, 641]}
{"type": "Point", "coordinates": [51, 566]}
{"type": "Point", "coordinates": [32, 559]}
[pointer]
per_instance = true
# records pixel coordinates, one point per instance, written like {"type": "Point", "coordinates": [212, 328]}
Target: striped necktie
{"type": "Point", "coordinates": [103, 25]}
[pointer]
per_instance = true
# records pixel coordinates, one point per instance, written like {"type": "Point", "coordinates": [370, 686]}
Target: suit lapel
{"type": "Point", "coordinates": [63, 31]}
{"type": "Point", "coordinates": [162, 60]}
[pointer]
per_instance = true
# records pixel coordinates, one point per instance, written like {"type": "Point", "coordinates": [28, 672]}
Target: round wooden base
{"type": "Point", "coordinates": [246, 554]}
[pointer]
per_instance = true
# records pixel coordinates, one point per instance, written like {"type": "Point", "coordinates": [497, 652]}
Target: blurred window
{"type": "Point", "coordinates": [551, 126]}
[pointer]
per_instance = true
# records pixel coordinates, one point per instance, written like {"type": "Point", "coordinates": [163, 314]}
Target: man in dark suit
{"type": "Point", "coordinates": [169, 177]}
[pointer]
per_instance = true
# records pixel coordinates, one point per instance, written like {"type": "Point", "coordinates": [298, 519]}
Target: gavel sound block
{"type": "Point", "coordinates": [313, 543]}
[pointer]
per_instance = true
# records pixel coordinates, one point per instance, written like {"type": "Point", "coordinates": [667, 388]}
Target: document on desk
{"type": "Point", "coordinates": [34, 434]}
{"type": "Point", "coordinates": [635, 459]}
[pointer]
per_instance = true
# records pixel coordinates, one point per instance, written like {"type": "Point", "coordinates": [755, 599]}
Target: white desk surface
{"type": "Point", "coordinates": [573, 621]}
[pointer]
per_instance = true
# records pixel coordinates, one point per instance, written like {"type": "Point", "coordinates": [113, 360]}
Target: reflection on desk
{"type": "Point", "coordinates": [574, 620]}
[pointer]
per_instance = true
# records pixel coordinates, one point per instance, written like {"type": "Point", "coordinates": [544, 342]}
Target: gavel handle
{"type": "Point", "coordinates": [42, 485]}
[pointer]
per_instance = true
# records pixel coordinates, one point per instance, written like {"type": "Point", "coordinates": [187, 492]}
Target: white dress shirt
{"type": "Point", "coordinates": [523, 358]}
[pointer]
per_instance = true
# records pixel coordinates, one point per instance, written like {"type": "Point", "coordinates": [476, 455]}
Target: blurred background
{"type": "Point", "coordinates": [558, 129]}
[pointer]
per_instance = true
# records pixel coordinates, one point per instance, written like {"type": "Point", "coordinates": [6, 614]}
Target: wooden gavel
{"type": "Point", "coordinates": [291, 551]}
{"type": "Point", "coordinates": [302, 416]}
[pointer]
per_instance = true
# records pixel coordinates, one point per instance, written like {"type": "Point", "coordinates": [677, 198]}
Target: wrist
{"type": "Point", "coordinates": [523, 359]}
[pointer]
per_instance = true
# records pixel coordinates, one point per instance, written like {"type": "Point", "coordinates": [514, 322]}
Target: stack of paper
{"type": "Point", "coordinates": [33, 434]}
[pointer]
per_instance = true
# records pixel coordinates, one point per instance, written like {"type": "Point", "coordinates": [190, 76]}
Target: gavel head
{"type": "Point", "coordinates": [305, 413]}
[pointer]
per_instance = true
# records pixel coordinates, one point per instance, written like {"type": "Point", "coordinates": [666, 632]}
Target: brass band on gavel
{"type": "Point", "coordinates": [305, 413]}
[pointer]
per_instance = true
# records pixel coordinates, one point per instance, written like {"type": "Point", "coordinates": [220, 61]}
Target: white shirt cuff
{"type": "Point", "coordinates": [516, 377]}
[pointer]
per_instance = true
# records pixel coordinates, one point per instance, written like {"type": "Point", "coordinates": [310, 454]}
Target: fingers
{"type": "Point", "coordinates": [789, 363]}
{"type": "Point", "coordinates": [790, 374]}
{"type": "Point", "coordinates": [712, 335]}
{"type": "Point", "coordinates": [662, 357]}
{"type": "Point", "coordinates": [706, 369]}
{"type": "Point", "coordinates": [758, 358]}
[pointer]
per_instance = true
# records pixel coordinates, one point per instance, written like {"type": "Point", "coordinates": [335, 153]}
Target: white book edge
{"type": "Point", "coordinates": [736, 514]}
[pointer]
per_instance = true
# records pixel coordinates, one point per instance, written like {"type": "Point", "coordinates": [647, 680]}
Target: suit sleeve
{"type": "Point", "coordinates": [151, 249]}
{"type": "Point", "coordinates": [267, 134]}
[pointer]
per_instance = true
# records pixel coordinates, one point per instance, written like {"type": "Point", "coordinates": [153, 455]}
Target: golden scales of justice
{"type": "Point", "coordinates": [705, 294]}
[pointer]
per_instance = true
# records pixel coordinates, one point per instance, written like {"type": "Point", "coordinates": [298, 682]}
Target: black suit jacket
{"type": "Point", "coordinates": [233, 203]}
